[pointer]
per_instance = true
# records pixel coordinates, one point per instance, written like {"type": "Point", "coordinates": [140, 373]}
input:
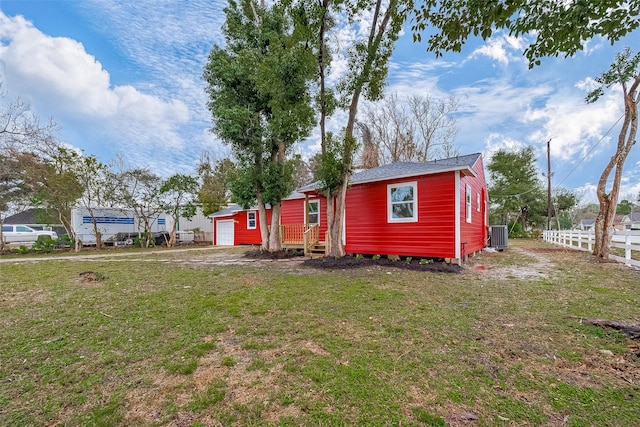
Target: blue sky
{"type": "Point", "coordinates": [124, 78]}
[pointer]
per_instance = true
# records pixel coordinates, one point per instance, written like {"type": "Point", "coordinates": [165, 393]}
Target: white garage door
{"type": "Point", "coordinates": [224, 232]}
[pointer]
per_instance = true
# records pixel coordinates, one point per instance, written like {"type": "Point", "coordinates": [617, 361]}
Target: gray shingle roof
{"type": "Point", "coordinates": [229, 210]}
{"type": "Point", "coordinates": [408, 169]}
{"type": "Point", "coordinates": [234, 208]}
{"type": "Point", "coordinates": [28, 217]}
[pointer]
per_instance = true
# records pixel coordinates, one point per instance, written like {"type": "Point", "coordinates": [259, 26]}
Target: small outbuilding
{"type": "Point", "coordinates": [233, 226]}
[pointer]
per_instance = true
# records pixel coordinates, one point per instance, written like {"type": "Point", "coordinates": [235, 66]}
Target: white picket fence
{"type": "Point", "coordinates": [584, 241]}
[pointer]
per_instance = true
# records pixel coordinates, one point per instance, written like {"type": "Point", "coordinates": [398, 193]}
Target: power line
{"type": "Point", "coordinates": [557, 186]}
{"type": "Point", "coordinates": [591, 150]}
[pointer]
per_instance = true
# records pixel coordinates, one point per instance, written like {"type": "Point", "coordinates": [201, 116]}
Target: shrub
{"type": "Point", "coordinates": [21, 250]}
{"type": "Point", "coordinates": [44, 244]}
{"type": "Point", "coordinates": [65, 241]}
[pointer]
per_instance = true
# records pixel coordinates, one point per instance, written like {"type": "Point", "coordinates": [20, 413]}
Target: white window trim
{"type": "Point", "coordinates": [478, 201]}
{"type": "Point", "coordinates": [306, 214]}
{"type": "Point", "coordinates": [390, 217]}
{"type": "Point", "coordinates": [468, 203]}
{"type": "Point", "coordinates": [255, 220]}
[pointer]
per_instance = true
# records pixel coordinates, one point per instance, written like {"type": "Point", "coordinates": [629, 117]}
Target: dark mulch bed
{"type": "Point", "coordinates": [283, 254]}
{"type": "Point", "coordinates": [348, 262]}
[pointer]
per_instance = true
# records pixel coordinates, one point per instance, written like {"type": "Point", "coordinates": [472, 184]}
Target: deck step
{"type": "Point", "coordinates": [317, 250]}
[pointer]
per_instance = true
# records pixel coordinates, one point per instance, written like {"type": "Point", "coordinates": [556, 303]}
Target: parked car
{"type": "Point", "coordinates": [22, 233]}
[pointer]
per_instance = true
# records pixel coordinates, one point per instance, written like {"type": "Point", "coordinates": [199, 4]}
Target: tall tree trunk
{"type": "Point", "coordinates": [96, 231]}
{"type": "Point", "coordinates": [174, 228]}
{"type": "Point", "coordinates": [264, 226]}
{"type": "Point", "coordinates": [279, 157]}
{"type": "Point", "coordinates": [275, 243]}
{"type": "Point", "coordinates": [66, 223]}
{"type": "Point", "coordinates": [609, 201]}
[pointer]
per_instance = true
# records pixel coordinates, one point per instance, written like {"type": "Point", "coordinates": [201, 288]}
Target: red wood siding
{"type": "Point", "coordinates": [293, 212]}
{"type": "Point", "coordinates": [245, 236]}
{"type": "Point", "coordinates": [433, 235]}
{"type": "Point", "coordinates": [241, 234]}
{"type": "Point", "coordinates": [475, 232]}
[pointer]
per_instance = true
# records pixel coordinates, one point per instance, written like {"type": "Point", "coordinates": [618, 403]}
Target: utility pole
{"type": "Point", "coordinates": [549, 184]}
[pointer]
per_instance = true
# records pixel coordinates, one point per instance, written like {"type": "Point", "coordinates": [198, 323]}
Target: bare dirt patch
{"type": "Point", "coordinates": [229, 364]}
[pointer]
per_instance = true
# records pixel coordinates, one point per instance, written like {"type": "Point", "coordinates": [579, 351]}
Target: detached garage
{"type": "Point", "coordinates": [234, 226]}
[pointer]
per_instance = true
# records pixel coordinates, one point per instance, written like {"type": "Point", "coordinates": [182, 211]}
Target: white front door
{"type": "Point", "coordinates": [224, 232]}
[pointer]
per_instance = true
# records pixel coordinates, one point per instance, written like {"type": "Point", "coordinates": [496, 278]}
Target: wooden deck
{"type": "Point", "coordinates": [302, 236]}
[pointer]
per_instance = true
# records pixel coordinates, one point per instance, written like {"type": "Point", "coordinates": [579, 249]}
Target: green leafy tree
{"type": "Point", "coordinates": [61, 189]}
{"type": "Point", "coordinates": [258, 86]}
{"type": "Point", "coordinates": [556, 27]}
{"type": "Point", "coordinates": [18, 185]}
{"type": "Point", "coordinates": [515, 192]}
{"type": "Point", "coordinates": [94, 177]}
{"type": "Point", "coordinates": [215, 191]}
{"type": "Point", "coordinates": [624, 73]}
{"type": "Point", "coordinates": [178, 193]}
{"type": "Point", "coordinates": [139, 189]}
{"type": "Point", "coordinates": [564, 202]}
{"type": "Point", "coordinates": [625, 207]}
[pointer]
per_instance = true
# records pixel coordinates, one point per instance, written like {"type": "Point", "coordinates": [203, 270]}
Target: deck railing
{"type": "Point", "coordinates": [311, 237]}
{"type": "Point", "coordinates": [626, 241]}
{"type": "Point", "coordinates": [292, 234]}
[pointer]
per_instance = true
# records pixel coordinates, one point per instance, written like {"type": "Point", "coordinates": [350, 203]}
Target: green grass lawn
{"type": "Point", "coordinates": [177, 339]}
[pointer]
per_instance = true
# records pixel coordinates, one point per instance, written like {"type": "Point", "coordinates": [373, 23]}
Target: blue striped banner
{"type": "Point", "coordinates": [108, 220]}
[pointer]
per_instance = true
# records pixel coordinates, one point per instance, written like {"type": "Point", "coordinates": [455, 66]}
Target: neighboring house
{"type": "Point", "coordinates": [618, 222]}
{"type": "Point", "coordinates": [631, 221]}
{"type": "Point", "coordinates": [587, 224]}
{"type": "Point", "coordinates": [236, 226]}
{"type": "Point", "coordinates": [435, 209]}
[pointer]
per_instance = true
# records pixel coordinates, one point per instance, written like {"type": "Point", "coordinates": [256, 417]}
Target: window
{"type": "Point", "coordinates": [23, 229]}
{"type": "Point", "coordinates": [7, 228]}
{"type": "Point", "coordinates": [478, 202]}
{"type": "Point", "coordinates": [251, 220]}
{"type": "Point", "coordinates": [468, 203]}
{"type": "Point", "coordinates": [402, 202]}
{"type": "Point", "coordinates": [314, 212]}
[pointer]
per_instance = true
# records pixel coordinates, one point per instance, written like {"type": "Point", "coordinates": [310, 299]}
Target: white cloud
{"type": "Point", "coordinates": [500, 48]}
{"type": "Point", "coordinates": [63, 80]}
{"type": "Point", "coordinates": [587, 85]}
{"type": "Point", "coordinates": [496, 142]}
{"type": "Point", "coordinates": [573, 126]}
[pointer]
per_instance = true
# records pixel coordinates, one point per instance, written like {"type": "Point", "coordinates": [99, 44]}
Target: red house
{"type": "Point", "coordinates": [236, 226]}
{"type": "Point", "coordinates": [434, 209]}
